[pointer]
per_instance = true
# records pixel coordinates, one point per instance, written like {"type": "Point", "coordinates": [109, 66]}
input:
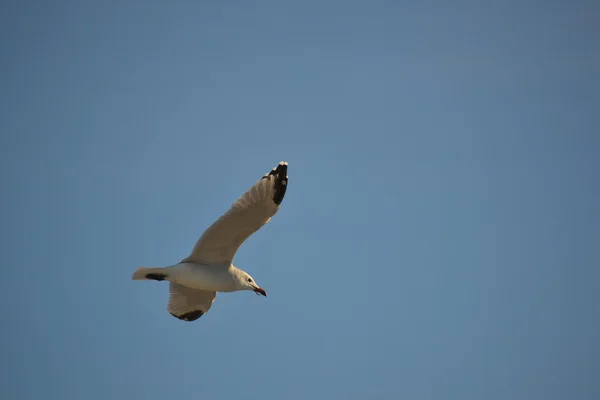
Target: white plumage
{"type": "Point", "coordinates": [195, 280]}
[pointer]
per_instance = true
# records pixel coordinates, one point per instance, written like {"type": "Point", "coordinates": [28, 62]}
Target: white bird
{"type": "Point", "coordinates": [195, 280]}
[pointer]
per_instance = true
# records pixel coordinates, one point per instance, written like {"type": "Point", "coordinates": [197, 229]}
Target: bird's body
{"type": "Point", "coordinates": [195, 280]}
{"type": "Point", "coordinates": [216, 278]}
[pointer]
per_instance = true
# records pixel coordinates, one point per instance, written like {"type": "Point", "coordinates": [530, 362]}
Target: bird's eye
{"type": "Point", "coordinates": [249, 279]}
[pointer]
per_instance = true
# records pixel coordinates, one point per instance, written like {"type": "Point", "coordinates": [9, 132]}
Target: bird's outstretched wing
{"type": "Point", "coordinates": [220, 242]}
{"type": "Point", "coordinates": [189, 304]}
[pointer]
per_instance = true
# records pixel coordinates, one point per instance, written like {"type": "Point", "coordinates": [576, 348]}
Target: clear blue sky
{"type": "Point", "coordinates": [440, 238]}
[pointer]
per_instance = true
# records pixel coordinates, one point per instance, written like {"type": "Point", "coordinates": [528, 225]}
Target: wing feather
{"type": "Point", "coordinates": [220, 242]}
{"type": "Point", "coordinates": [189, 304]}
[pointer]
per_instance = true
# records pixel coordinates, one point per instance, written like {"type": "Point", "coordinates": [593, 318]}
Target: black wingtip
{"type": "Point", "coordinates": [281, 181]}
{"type": "Point", "coordinates": [190, 316]}
{"type": "Point", "coordinates": [156, 277]}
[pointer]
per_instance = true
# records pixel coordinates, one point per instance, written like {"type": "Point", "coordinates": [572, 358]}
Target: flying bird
{"type": "Point", "coordinates": [195, 280]}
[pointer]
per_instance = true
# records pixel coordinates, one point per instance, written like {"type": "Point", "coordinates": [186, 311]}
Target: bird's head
{"type": "Point", "coordinates": [248, 283]}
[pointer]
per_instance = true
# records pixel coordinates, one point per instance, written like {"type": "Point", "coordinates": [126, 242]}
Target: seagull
{"type": "Point", "coordinates": [195, 280]}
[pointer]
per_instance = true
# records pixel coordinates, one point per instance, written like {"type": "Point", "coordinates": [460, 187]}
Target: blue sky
{"type": "Point", "coordinates": [439, 238]}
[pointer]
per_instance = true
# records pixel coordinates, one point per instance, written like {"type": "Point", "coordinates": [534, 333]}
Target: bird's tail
{"type": "Point", "coordinates": [147, 273]}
